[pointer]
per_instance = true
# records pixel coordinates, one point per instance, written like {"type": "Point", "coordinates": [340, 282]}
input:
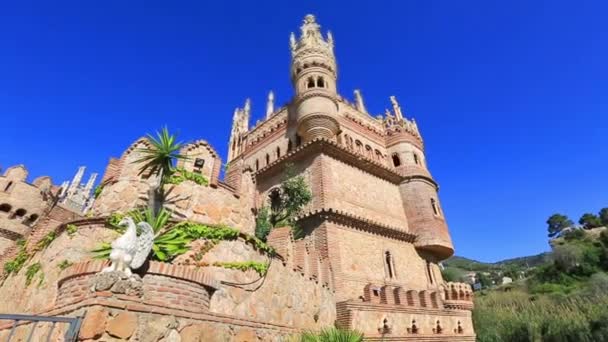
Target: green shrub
{"type": "Point", "coordinates": [31, 271]}
{"type": "Point", "coordinates": [262, 224]}
{"type": "Point", "coordinates": [260, 267]}
{"type": "Point", "coordinates": [71, 229]}
{"type": "Point", "coordinates": [45, 241]}
{"type": "Point", "coordinates": [331, 335]}
{"type": "Point", "coordinates": [64, 264]}
{"type": "Point", "coordinates": [15, 265]}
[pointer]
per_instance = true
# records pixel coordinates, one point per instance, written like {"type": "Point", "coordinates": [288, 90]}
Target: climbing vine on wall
{"type": "Point", "coordinates": [180, 175]}
{"type": "Point", "coordinates": [172, 240]}
{"type": "Point", "coordinates": [260, 267]}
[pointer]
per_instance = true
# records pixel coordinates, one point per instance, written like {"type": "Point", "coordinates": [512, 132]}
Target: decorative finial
{"type": "Point", "coordinates": [330, 39]}
{"type": "Point", "coordinates": [270, 104]}
{"type": "Point", "coordinates": [396, 108]}
{"type": "Point", "coordinates": [292, 41]}
{"type": "Point", "coordinates": [247, 107]}
{"type": "Point", "coordinates": [359, 101]}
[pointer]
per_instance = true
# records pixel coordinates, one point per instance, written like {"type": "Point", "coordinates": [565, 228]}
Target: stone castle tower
{"type": "Point", "coordinates": [373, 234]}
{"type": "Point", "coordinates": [372, 189]}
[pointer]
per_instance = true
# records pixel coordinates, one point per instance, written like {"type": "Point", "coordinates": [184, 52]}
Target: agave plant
{"type": "Point", "coordinates": [168, 242]}
{"type": "Point", "coordinates": [332, 335]}
{"type": "Point", "coordinates": [158, 159]}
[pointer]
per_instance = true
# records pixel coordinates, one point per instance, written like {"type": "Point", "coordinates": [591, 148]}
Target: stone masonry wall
{"type": "Point", "coordinates": [362, 261]}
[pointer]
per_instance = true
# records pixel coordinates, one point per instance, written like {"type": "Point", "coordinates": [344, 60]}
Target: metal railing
{"type": "Point", "coordinates": [22, 321]}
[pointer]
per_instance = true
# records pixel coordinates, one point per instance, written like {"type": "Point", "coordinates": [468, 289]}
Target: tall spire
{"type": "Point", "coordinates": [89, 186]}
{"type": "Point", "coordinates": [396, 108]}
{"type": "Point", "coordinates": [270, 104]}
{"type": "Point", "coordinates": [359, 101]}
{"type": "Point", "coordinates": [76, 180]}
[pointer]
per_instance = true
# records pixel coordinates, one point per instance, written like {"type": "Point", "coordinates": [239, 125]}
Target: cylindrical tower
{"type": "Point", "coordinates": [314, 75]}
{"type": "Point", "coordinates": [419, 189]}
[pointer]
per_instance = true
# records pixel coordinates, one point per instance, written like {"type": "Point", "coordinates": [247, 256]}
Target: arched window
{"type": "Point", "coordinates": [311, 83]}
{"type": "Point", "coordinates": [438, 329]}
{"type": "Point", "coordinates": [31, 220]}
{"type": "Point", "coordinates": [5, 207]}
{"type": "Point", "coordinates": [368, 151]}
{"type": "Point", "coordinates": [20, 213]}
{"type": "Point", "coordinates": [275, 199]}
{"type": "Point", "coordinates": [267, 159]}
{"type": "Point", "coordinates": [359, 146]}
{"type": "Point", "coordinates": [8, 186]}
{"type": "Point", "coordinates": [416, 159]}
{"type": "Point", "coordinates": [257, 165]}
{"type": "Point", "coordinates": [389, 264]}
{"type": "Point", "coordinates": [396, 160]}
{"type": "Point", "coordinates": [320, 82]}
{"type": "Point", "coordinates": [278, 152]}
{"type": "Point", "coordinates": [434, 205]}
{"type": "Point", "coordinates": [414, 328]}
{"type": "Point", "coordinates": [459, 330]}
{"type": "Point", "coordinates": [378, 155]}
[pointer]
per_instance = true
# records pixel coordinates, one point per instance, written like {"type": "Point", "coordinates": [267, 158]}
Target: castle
{"type": "Point", "coordinates": [374, 231]}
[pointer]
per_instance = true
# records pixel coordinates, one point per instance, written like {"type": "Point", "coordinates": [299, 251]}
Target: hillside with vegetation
{"type": "Point", "coordinates": [560, 296]}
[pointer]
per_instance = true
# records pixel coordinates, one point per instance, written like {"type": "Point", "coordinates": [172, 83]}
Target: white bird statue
{"type": "Point", "coordinates": [129, 251]}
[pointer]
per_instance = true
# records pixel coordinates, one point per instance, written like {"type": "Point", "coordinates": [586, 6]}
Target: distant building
{"type": "Point", "coordinates": [506, 280]}
{"type": "Point", "coordinates": [76, 195]}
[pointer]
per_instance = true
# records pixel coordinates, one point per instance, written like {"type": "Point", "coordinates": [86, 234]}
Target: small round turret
{"type": "Point", "coordinates": [314, 75]}
{"type": "Point", "coordinates": [418, 190]}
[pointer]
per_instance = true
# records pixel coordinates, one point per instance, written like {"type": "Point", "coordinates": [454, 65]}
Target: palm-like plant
{"type": "Point", "coordinates": [332, 335]}
{"type": "Point", "coordinates": [158, 159]}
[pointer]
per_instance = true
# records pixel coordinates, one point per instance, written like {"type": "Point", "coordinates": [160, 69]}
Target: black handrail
{"type": "Point", "coordinates": [71, 335]}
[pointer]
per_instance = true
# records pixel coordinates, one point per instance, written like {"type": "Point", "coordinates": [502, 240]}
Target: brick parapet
{"type": "Point", "coordinates": [163, 284]}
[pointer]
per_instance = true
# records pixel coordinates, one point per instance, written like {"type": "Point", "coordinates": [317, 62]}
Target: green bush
{"type": "Point", "coordinates": [331, 335]}
{"type": "Point", "coordinates": [262, 224]}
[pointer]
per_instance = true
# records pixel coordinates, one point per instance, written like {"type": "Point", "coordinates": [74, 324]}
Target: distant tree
{"type": "Point", "coordinates": [589, 221]}
{"type": "Point", "coordinates": [451, 275]}
{"type": "Point", "coordinates": [603, 214]}
{"type": "Point", "coordinates": [558, 222]}
{"type": "Point", "coordinates": [483, 279]}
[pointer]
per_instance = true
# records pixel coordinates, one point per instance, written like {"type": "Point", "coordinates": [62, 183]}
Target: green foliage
{"type": "Point", "coordinates": [286, 204]}
{"type": "Point", "coordinates": [31, 271]}
{"type": "Point", "coordinates": [45, 241]}
{"type": "Point", "coordinates": [331, 335]}
{"type": "Point", "coordinates": [260, 267]}
{"type": "Point", "coordinates": [262, 223]}
{"type": "Point", "coordinates": [71, 229]}
{"type": "Point", "coordinates": [173, 240]}
{"type": "Point", "coordinates": [483, 279]}
{"type": "Point", "coordinates": [556, 223]}
{"type": "Point", "coordinates": [168, 243]}
{"type": "Point", "coordinates": [452, 274]}
{"type": "Point", "coordinates": [589, 221]}
{"type": "Point", "coordinates": [15, 265]}
{"type": "Point", "coordinates": [517, 316]}
{"type": "Point", "coordinates": [158, 159]}
{"type": "Point", "coordinates": [98, 190]}
{"type": "Point", "coordinates": [64, 264]}
{"type": "Point", "coordinates": [201, 231]}
{"type": "Point", "coordinates": [179, 175]}
{"type": "Point", "coordinates": [603, 215]}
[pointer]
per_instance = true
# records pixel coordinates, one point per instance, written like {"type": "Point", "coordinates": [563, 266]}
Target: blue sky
{"type": "Point", "coordinates": [510, 96]}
